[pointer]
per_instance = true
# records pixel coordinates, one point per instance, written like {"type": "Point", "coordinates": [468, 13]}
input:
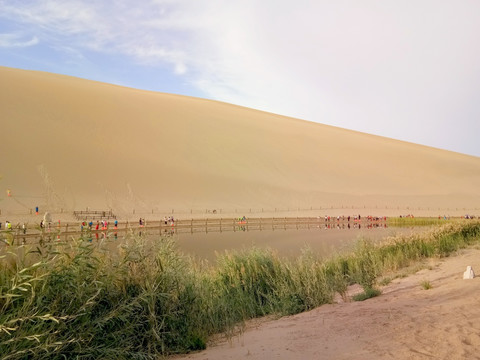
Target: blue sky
{"type": "Point", "coordinates": [408, 70]}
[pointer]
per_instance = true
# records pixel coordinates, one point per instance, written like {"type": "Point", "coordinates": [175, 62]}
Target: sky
{"type": "Point", "coordinates": [408, 70]}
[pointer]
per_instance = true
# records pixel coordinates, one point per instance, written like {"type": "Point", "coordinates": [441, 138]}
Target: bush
{"type": "Point", "coordinates": [367, 294]}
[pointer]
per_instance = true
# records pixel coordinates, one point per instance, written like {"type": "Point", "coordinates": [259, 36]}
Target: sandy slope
{"type": "Point", "coordinates": [405, 322]}
{"type": "Point", "coordinates": [71, 143]}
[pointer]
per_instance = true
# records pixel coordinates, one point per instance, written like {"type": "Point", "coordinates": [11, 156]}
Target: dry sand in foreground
{"type": "Point", "coordinates": [405, 322]}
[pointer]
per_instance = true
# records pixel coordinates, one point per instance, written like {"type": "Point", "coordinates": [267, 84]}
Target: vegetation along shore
{"type": "Point", "coordinates": [74, 299]}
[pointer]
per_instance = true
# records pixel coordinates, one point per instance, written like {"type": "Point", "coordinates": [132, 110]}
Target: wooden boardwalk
{"type": "Point", "coordinates": [191, 226]}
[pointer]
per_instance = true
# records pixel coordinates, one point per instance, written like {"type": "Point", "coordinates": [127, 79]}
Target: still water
{"type": "Point", "coordinates": [202, 245]}
{"type": "Point", "coordinates": [287, 243]}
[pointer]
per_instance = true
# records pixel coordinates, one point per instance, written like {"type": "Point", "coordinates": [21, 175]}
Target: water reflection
{"type": "Point", "coordinates": [324, 241]}
{"type": "Point", "coordinates": [287, 240]}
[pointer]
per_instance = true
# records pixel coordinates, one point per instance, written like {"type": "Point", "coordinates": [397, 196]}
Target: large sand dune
{"type": "Point", "coordinates": [71, 143]}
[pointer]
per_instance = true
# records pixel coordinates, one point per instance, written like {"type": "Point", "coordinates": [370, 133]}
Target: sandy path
{"type": "Point", "coordinates": [405, 322]}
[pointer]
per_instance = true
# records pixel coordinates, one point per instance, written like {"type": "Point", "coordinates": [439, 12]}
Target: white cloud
{"type": "Point", "coordinates": [180, 68]}
{"type": "Point", "coordinates": [147, 33]}
{"type": "Point", "coordinates": [16, 40]}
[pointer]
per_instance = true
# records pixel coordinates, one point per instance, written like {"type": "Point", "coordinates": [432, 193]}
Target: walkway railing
{"type": "Point", "coordinates": [188, 226]}
{"type": "Point", "coordinates": [94, 215]}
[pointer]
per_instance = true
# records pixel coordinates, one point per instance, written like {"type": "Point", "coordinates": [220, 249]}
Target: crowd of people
{"type": "Point", "coordinates": [355, 218]}
{"type": "Point", "coordinates": [169, 220]}
{"type": "Point", "coordinates": [100, 225]}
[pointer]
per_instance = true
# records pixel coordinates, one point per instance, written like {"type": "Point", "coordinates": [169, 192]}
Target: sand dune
{"type": "Point", "coordinates": [71, 143]}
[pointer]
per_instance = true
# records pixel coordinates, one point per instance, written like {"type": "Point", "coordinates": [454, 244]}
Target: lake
{"type": "Point", "coordinates": [321, 240]}
{"type": "Point", "coordinates": [287, 242]}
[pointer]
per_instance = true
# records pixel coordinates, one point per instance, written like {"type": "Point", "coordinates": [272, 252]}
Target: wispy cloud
{"type": "Point", "coordinates": [17, 40]}
{"type": "Point", "coordinates": [120, 28]}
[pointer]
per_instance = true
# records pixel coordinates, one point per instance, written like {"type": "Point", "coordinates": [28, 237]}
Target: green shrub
{"type": "Point", "coordinates": [426, 285]}
{"type": "Point", "coordinates": [367, 294]}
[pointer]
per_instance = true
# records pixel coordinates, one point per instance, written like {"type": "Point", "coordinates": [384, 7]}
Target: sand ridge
{"type": "Point", "coordinates": [71, 143]}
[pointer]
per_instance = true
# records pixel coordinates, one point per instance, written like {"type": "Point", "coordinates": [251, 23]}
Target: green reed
{"type": "Point", "coordinates": [417, 221]}
{"type": "Point", "coordinates": [77, 300]}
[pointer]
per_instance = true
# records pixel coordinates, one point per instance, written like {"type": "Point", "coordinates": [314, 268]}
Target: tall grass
{"type": "Point", "coordinates": [414, 221]}
{"type": "Point", "coordinates": [75, 300]}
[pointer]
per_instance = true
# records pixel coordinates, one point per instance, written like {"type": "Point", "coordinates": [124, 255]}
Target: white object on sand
{"type": "Point", "coordinates": [469, 274]}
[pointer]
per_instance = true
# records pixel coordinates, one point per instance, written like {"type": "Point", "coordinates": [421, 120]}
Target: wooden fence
{"type": "Point", "coordinates": [189, 226]}
{"type": "Point", "coordinates": [94, 215]}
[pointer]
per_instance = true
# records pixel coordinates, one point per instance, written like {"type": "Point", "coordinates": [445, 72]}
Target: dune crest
{"type": "Point", "coordinates": [72, 143]}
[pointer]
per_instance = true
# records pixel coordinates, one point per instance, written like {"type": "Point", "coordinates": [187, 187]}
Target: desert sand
{"type": "Point", "coordinates": [405, 322]}
{"type": "Point", "coordinates": [71, 144]}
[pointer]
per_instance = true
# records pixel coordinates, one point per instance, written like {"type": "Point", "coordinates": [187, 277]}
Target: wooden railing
{"type": "Point", "coordinates": [94, 215]}
{"type": "Point", "coordinates": [189, 226]}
